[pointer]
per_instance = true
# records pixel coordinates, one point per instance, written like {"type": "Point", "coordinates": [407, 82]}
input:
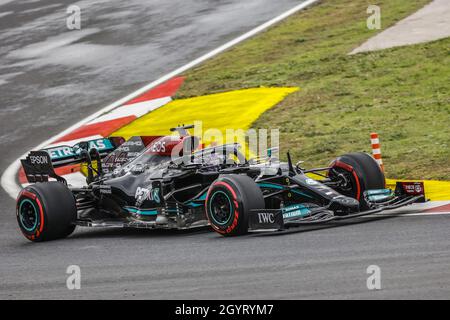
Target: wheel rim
{"type": "Point", "coordinates": [220, 208]}
{"type": "Point", "coordinates": [28, 215]}
{"type": "Point", "coordinates": [349, 188]}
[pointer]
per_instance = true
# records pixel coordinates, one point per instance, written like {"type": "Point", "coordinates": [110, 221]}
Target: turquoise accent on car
{"type": "Point", "coordinates": [296, 210]}
{"type": "Point", "coordinates": [301, 193]}
{"type": "Point", "coordinates": [374, 192]}
{"type": "Point", "coordinates": [270, 185]}
{"type": "Point", "coordinates": [142, 212]}
{"type": "Point", "coordinates": [278, 187]}
{"type": "Point", "coordinates": [194, 205]}
{"type": "Point", "coordinates": [201, 198]}
{"type": "Point", "coordinates": [377, 195]}
{"type": "Point", "coordinates": [64, 152]}
{"type": "Point", "coordinates": [30, 229]}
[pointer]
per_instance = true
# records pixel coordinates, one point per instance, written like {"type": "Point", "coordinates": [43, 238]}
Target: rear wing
{"type": "Point", "coordinates": [112, 152]}
{"type": "Point", "coordinates": [64, 155]}
{"type": "Point", "coordinates": [40, 165]}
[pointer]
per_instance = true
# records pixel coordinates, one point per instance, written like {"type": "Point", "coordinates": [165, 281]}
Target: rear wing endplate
{"type": "Point", "coordinates": [38, 167]}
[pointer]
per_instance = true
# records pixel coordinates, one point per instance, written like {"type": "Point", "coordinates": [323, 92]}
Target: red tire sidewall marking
{"type": "Point", "coordinates": [236, 207]}
{"type": "Point", "coordinates": [350, 169]}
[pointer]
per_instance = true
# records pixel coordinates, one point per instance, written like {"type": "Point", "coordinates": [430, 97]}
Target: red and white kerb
{"type": "Point", "coordinates": [376, 150]}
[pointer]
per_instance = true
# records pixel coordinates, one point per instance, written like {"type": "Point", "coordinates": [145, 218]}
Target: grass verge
{"type": "Point", "coordinates": [401, 93]}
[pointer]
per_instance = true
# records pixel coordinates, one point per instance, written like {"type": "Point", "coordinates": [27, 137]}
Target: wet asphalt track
{"type": "Point", "coordinates": [50, 77]}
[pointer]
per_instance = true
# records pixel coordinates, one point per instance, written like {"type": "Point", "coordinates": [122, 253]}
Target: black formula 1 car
{"type": "Point", "coordinates": [141, 184]}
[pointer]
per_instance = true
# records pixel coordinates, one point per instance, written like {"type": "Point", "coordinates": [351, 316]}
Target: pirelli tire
{"type": "Point", "coordinates": [362, 172]}
{"type": "Point", "coordinates": [46, 211]}
{"type": "Point", "coordinates": [229, 202]}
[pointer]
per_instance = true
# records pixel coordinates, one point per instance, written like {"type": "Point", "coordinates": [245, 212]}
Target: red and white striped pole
{"type": "Point", "coordinates": [376, 149]}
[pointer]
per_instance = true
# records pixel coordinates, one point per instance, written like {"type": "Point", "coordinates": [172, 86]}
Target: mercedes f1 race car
{"type": "Point", "coordinates": [170, 182]}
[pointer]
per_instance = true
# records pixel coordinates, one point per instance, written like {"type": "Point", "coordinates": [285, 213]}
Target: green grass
{"type": "Point", "coordinates": [401, 93]}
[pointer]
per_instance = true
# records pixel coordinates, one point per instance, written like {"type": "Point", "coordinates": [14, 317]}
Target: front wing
{"type": "Point", "coordinates": [272, 219]}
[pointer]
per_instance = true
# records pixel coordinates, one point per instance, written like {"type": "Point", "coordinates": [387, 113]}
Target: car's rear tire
{"type": "Point", "coordinates": [363, 173]}
{"type": "Point", "coordinates": [46, 211]}
{"type": "Point", "coordinates": [229, 202]}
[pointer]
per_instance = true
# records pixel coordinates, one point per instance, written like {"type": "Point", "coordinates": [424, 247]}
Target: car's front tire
{"type": "Point", "coordinates": [362, 173]}
{"type": "Point", "coordinates": [229, 202]}
{"type": "Point", "coordinates": [46, 211]}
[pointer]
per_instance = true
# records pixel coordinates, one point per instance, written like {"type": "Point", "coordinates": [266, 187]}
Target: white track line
{"type": "Point", "coordinates": [9, 182]}
{"type": "Point", "coordinates": [425, 214]}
